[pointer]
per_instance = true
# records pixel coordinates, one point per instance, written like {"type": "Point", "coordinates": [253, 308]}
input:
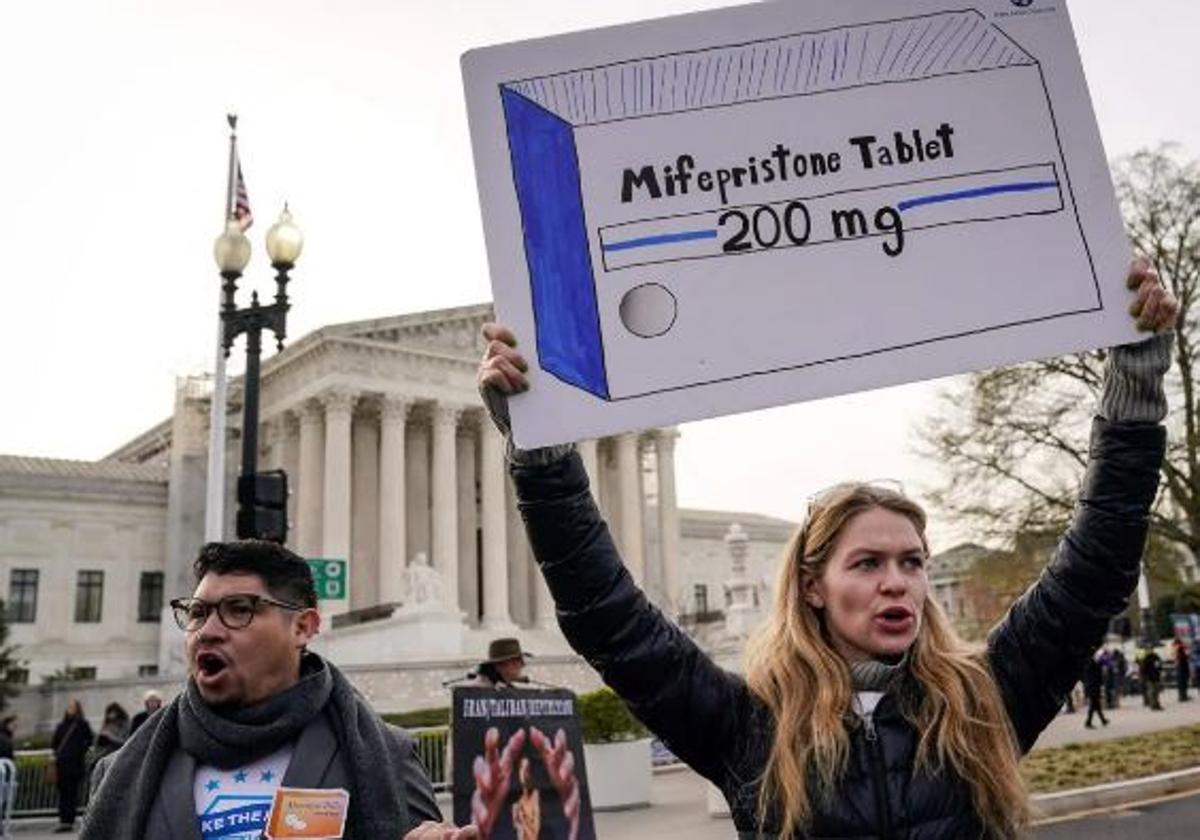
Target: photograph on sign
{"type": "Point", "coordinates": [531, 743]}
{"type": "Point", "coordinates": [769, 203]}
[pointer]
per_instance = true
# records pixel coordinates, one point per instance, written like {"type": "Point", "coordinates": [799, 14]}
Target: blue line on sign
{"type": "Point", "coordinates": [661, 239]}
{"type": "Point", "coordinates": [1022, 186]}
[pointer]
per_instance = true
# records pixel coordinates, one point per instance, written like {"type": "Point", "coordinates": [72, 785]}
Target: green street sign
{"type": "Point", "coordinates": [331, 578]}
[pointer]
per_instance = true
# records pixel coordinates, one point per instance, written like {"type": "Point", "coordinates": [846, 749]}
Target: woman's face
{"type": "Point", "coordinates": [873, 587]}
{"type": "Point", "coordinates": [73, 708]}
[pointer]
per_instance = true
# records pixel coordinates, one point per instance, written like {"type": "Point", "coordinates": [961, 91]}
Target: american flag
{"type": "Point", "coordinates": [241, 202]}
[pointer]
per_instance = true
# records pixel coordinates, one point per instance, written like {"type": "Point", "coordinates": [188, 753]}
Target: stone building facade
{"type": "Point", "coordinates": [392, 463]}
{"type": "Point", "coordinates": [81, 562]}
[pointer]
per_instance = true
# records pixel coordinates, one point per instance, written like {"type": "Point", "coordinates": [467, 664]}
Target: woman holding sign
{"type": "Point", "coordinates": [861, 712]}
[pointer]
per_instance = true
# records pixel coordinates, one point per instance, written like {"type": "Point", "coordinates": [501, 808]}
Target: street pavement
{"type": "Point", "coordinates": [1168, 819]}
{"type": "Point", "coordinates": [678, 811]}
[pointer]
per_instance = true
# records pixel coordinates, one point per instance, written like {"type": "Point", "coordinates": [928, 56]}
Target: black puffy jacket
{"type": "Point", "coordinates": [708, 717]}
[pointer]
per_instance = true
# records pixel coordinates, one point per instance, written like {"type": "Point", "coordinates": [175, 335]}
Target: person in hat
{"type": "Point", "coordinates": [504, 666]}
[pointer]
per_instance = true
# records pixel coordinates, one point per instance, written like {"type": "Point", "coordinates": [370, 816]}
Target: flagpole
{"type": "Point", "coordinates": [214, 508]}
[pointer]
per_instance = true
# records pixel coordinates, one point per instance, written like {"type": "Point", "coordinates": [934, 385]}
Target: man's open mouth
{"type": "Point", "coordinates": [210, 664]}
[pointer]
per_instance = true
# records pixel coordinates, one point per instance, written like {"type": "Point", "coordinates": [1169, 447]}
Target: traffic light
{"type": "Point", "coordinates": [262, 506]}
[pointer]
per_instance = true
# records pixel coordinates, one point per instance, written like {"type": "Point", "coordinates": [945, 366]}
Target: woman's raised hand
{"type": "Point", "coordinates": [502, 367]}
{"type": "Point", "coordinates": [1154, 307]}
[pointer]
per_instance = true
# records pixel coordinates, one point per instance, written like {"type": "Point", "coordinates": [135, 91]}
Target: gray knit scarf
{"type": "Point", "coordinates": [873, 675]}
{"type": "Point", "coordinates": [230, 739]}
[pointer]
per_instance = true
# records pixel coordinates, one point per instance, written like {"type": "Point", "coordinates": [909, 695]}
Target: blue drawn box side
{"type": "Point", "coordinates": [546, 176]}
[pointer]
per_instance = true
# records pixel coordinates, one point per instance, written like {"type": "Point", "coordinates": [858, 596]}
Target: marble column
{"type": "Point", "coordinates": [444, 502]}
{"type": "Point", "coordinates": [468, 524]}
{"type": "Point", "coordinates": [289, 427]}
{"type": "Point", "coordinates": [416, 494]}
{"type": "Point", "coordinates": [543, 603]}
{"type": "Point", "coordinates": [496, 616]}
{"type": "Point", "coordinates": [364, 509]}
{"type": "Point", "coordinates": [589, 452]}
{"type": "Point", "coordinates": [335, 537]}
{"type": "Point", "coordinates": [269, 434]}
{"type": "Point", "coordinates": [520, 599]}
{"type": "Point", "coordinates": [311, 483]}
{"type": "Point", "coordinates": [393, 415]}
{"type": "Point", "coordinates": [629, 499]}
{"type": "Point", "coordinates": [668, 518]}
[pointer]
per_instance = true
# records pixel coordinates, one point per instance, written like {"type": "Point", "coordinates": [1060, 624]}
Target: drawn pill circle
{"type": "Point", "coordinates": [649, 310]}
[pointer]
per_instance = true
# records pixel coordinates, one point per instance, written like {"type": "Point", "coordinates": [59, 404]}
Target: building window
{"type": "Point", "coordinates": [701, 593]}
{"type": "Point", "coordinates": [85, 672]}
{"type": "Point", "coordinates": [89, 596]}
{"type": "Point", "coordinates": [150, 596]}
{"type": "Point", "coordinates": [22, 596]}
{"type": "Point", "coordinates": [147, 670]}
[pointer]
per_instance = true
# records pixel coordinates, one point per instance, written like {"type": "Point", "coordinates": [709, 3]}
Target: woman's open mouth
{"type": "Point", "coordinates": [895, 620]}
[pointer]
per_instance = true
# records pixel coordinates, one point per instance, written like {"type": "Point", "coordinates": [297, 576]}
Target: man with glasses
{"type": "Point", "coordinates": [259, 712]}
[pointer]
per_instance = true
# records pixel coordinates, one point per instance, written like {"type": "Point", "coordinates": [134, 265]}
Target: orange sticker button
{"type": "Point", "coordinates": [310, 814]}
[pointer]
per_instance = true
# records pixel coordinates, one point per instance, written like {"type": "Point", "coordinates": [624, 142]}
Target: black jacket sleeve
{"type": "Point", "coordinates": [668, 682]}
{"type": "Point", "coordinates": [1039, 650]}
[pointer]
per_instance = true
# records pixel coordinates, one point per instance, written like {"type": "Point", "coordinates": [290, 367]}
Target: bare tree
{"type": "Point", "coordinates": [1012, 442]}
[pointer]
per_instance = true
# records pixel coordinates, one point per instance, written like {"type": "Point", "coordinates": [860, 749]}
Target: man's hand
{"type": "Point", "coordinates": [560, 766]}
{"type": "Point", "coordinates": [493, 777]}
{"type": "Point", "coordinates": [442, 831]}
{"type": "Point", "coordinates": [1154, 307]}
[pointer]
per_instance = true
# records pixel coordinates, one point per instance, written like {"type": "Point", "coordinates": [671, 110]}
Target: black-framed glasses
{"type": "Point", "coordinates": [235, 611]}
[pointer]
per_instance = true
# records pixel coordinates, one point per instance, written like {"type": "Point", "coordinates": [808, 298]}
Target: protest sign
{"type": "Point", "coordinates": [523, 737]}
{"type": "Point", "coordinates": [763, 204]}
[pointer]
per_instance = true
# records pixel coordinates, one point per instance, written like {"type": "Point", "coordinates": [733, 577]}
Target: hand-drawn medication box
{"type": "Point", "coordinates": [687, 218]}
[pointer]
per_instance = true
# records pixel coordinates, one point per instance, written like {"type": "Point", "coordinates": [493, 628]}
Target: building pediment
{"type": "Point", "coordinates": [453, 332]}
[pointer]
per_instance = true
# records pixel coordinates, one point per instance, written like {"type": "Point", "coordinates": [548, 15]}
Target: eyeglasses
{"type": "Point", "coordinates": [235, 611]}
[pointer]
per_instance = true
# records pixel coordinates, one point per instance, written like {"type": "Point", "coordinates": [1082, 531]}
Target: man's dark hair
{"type": "Point", "coordinates": [284, 573]}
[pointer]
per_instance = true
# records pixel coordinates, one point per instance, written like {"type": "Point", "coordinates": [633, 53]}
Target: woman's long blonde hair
{"type": "Point", "coordinates": [794, 669]}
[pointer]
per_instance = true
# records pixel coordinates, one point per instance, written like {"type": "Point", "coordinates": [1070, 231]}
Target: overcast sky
{"type": "Point", "coordinates": [113, 157]}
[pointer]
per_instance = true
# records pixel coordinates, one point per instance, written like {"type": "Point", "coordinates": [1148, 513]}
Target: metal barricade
{"type": "Point", "coordinates": [431, 747]}
{"type": "Point", "coordinates": [35, 795]}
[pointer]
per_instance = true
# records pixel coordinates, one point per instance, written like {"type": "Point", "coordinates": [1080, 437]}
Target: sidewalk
{"type": "Point", "coordinates": [1131, 718]}
{"type": "Point", "coordinates": [678, 811]}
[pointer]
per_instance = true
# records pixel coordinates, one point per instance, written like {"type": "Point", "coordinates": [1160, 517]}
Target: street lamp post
{"type": "Point", "coordinates": [262, 497]}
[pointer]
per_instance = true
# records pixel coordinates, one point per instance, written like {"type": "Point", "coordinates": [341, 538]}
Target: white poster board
{"type": "Point", "coordinates": [758, 205]}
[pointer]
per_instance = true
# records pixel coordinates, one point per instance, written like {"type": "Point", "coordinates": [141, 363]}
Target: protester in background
{"type": "Point", "coordinates": [1150, 670]}
{"type": "Point", "coordinates": [113, 730]}
{"type": "Point", "coordinates": [71, 742]}
{"type": "Point", "coordinates": [1114, 684]}
{"type": "Point", "coordinates": [258, 712]}
{"type": "Point", "coordinates": [1093, 681]}
{"type": "Point", "coordinates": [504, 666]}
{"type": "Point", "coordinates": [151, 703]}
{"type": "Point", "coordinates": [861, 713]}
{"type": "Point", "coordinates": [1196, 663]}
{"type": "Point", "coordinates": [6, 751]}
{"type": "Point", "coordinates": [6, 737]}
{"type": "Point", "coordinates": [1181, 668]}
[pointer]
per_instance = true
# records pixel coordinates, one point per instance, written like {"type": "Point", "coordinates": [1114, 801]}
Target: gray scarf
{"type": "Point", "coordinates": [237, 737]}
{"type": "Point", "coordinates": [873, 675]}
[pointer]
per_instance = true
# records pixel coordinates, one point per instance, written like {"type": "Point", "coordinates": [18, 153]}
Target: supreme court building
{"type": "Point", "coordinates": [393, 465]}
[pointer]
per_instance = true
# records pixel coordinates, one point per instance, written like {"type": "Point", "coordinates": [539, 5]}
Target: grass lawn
{"type": "Point", "coordinates": [1133, 757]}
